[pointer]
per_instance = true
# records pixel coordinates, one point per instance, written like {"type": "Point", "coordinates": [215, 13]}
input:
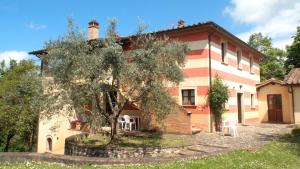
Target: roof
{"type": "Point", "coordinates": [293, 78]}
{"type": "Point", "coordinates": [270, 81]}
{"type": "Point", "coordinates": [209, 25]}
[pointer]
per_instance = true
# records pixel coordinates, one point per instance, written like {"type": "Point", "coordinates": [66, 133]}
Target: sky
{"type": "Point", "coordinates": [26, 25]}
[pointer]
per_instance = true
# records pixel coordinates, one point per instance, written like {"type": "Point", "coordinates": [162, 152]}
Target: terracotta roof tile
{"type": "Point", "coordinates": [293, 77]}
{"type": "Point", "coordinates": [270, 81]}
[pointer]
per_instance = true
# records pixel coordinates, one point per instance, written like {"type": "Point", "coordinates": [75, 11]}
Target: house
{"type": "Point", "coordinates": [278, 99]}
{"type": "Point", "coordinates": [213, 51]}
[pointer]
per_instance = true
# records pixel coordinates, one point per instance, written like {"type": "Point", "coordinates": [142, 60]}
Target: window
{"type": "Point", "coordinates": [223, 52]}
{"type": "Point", "coordinates": [251, 64]}
{"type": "Point", "coordinates": [239, 59]}
{"type": "Point", "coordinates": [252, 101]}
{"type": "Point", "coordinates": [188, 97]}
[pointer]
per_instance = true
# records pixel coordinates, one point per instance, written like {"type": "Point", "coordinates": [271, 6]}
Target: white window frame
{"type": "Point", "coordinates": [187, 88]}
{"type": "Point", "coordinates": [252, 100]}
{"type": "Point", "coordinates": [239, 61]}
{"type": "Point", "coordinates": [251, 63]}
{"type": "Point", "coordinates": [225, 51]}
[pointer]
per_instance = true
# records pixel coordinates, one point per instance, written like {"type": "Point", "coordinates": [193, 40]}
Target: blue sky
{"type": "Point", "coordinates": [26, 25]}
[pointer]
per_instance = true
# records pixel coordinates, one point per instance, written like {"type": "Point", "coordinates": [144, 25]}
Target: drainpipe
{"type": "Point", "coordinates": [293, 105]}
{"type": "Point", "coordinates": [210, 80]}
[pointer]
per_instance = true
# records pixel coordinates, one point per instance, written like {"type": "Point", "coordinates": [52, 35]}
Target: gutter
{"type": "Point", "coordinates": [293, 105]}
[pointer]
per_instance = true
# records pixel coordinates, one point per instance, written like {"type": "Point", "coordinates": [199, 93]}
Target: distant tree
{"type": "Point", "coordinates": [272, 63]}
{"type": "Point", "coordinates": [218, 95]}
{"type": "Point", "coordinates": [20, 99]}
{"type": "Point", "coordinates": [293, 57]}
{"type": "Point", "coordinates": [101, 71]}
{"type": "Point", "coordinates": [260, 42]}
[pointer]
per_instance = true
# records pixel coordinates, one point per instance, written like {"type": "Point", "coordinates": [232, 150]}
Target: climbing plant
{"type": "Point", "coordinates": [217, 96]}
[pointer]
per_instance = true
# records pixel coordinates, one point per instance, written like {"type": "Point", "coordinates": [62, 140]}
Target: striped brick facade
{"type": "Point", "coordinates": [239, 79]}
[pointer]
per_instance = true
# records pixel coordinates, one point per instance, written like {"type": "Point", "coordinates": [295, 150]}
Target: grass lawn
{"type": "Point", "coordinates": [140, 141]}
{"type": "Point", "coordinates": [280, 154]}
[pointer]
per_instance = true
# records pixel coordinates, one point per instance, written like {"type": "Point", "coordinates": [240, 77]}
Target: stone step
{"type": "Point", "coordinates": [195, 130]}
{"type": "Point", "coordinates": [204, 149]}
{"type": "Point", "coordinates": [213, 145]}
{"type": "Point", "coordinates": [197, 150]}
{"type": "Point", "coordinates": [187, 152]}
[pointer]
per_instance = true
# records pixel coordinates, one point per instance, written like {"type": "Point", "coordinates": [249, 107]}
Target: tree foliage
{"type": "Point", "coordinates": [103, 72]}
{"type": "Point", "coordinates": [272, 63]}
{"type": "Point", "coordinates": [20, 99]}
{"type": "Point", "coordinates": [217, 96]}
{"type": "Point", "coordinates": [293, 57]}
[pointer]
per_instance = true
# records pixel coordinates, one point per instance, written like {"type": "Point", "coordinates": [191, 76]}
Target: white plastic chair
{"type": "Point", "coordinates": [128, 121]}
{"type": "Point", "coordinates": [231, 125]}
{"type": "Point", "coordinates": [121, 121]}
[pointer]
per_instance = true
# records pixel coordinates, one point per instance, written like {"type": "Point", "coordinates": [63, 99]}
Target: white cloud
{"type": "Point", "coordinates": [13, 55]}
{"type": "Point", "coordinates": [277, 19]}
{"type": "Point", "coordinates": [36, 26]}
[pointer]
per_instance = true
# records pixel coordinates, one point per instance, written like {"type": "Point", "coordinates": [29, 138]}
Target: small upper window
{"type": "Point", "coordinates": [223, 52]}
{"type": "Point", "coordinates": [252, 101]}
{"type": "Point", "coordinates": [251, 64]}
{"type": "Point", "coordinates": [239, 59]}
{"type": "Point", "coordinates": [188, 97]}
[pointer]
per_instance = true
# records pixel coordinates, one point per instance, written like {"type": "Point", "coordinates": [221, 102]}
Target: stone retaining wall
{"type": "Point", "coordinates": [73, 148]}
{"type": "Point", "coordinates": [17, 157]}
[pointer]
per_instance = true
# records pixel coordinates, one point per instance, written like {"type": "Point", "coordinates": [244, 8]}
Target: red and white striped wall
{"type": "Point", "coordinates": [196, 72]}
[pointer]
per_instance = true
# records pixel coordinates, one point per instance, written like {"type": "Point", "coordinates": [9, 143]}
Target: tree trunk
{"type": "Point", "coordinates": [31, 140]}
{"type": "Point", "coordinates": [218, 123]}
{"type": "Point", "coordinates": [217, 126]}
{"type": "Point", "coordinates": [114, 127]}
{"type": "Point", "coordinates": [8, 139]}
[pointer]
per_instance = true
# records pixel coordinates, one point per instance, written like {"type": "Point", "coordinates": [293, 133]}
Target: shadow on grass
{"type": "Point", "coordinates": [293, 140]}
{"type": "Point", "coordinates": [141, 141]}
{"type": "Point", "coordinates": [267, 137]}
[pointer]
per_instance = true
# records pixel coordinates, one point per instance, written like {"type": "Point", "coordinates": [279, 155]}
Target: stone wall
{"type": "Point", "coordinates": [73, 148]}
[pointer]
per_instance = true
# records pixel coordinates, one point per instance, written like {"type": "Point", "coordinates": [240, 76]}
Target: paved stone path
{"type": "Point", "coordinates": [249, 137]}
{"type": "Point", "coordinates": [253, 136]}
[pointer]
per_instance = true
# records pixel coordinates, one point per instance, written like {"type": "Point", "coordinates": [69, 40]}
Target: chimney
{"type": "Point", "coordinates": [180, 23]}
{"type": "Point", "coordinates": [93, 31]}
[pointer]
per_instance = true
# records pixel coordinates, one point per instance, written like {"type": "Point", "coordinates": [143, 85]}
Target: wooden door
{"type": "Point", "coordinates": [239, 104]}
{"type": "Point", "coordinates": [275, 108]}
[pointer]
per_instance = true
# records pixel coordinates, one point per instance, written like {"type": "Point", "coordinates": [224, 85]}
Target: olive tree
{"type": "Point", "coordinates": [105, 72]}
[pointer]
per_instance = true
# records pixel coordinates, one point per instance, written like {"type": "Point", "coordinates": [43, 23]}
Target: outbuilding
{"type": "Point", "coordinates": [279, 101]}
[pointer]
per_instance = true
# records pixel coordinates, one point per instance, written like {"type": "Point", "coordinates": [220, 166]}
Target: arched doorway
{"type": "Point", "coordinates": [49, 144]}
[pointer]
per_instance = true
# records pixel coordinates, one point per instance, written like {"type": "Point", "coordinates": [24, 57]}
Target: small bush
{"type": "Point", "coordinates": [296, 132]}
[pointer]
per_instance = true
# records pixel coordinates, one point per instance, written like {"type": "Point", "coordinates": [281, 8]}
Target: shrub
{"type": "Point", "coordinates": [217, 96]}
{"type": "Point", "coordinates": [296, 132]}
